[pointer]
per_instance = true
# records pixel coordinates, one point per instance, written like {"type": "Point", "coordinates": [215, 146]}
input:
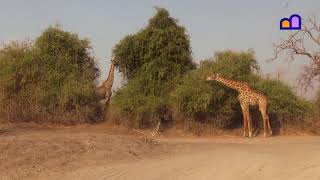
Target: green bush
{"type": "Point", "coordinates": [315, 114]}
{"type": "Point", "coordinates": [284, 104]}
{"type": "Point", "coordinates": [151, 60]}
{"type": "Point", "coordinates": [214, 103]}
{"type": "Point", "coordinates": [161, 50]}
{"type": "Point", "coordinates": [317, 102]}
{"type": "Point", "coordinates": [50, 79]}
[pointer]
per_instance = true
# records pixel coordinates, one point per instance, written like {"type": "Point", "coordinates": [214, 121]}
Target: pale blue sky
{"type": "Point", "coordinates": [212, 25]}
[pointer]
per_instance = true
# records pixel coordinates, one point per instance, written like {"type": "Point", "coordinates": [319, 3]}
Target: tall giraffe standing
{"type": "Point", "coordinates": [247, 96]}
{"type": "Point", "coordinates": [105, 90]}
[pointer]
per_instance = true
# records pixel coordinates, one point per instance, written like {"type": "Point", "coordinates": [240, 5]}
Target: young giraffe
{"type": "Point", "coordinates": [247, 96]}
{"type": "Point", "coordinates": [105, 90]}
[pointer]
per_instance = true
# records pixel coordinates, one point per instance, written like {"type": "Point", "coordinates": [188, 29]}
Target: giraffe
{"type": "Point", "coordinates": [105, 90]}
{"type": "Point", "coordinates": [247, 96]}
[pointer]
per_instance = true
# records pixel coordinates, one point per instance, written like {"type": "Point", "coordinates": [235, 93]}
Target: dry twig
{"type": "Point", "coordinates": [305, 42]}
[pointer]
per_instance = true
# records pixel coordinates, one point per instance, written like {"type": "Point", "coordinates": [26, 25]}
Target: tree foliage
{"type": "Point", "coordinates": [151, 60]}
{"type": "Point", "coordinates": [284, 104]}
{"type": "Point", "coordinates": [317, 104]}
{"type": "Point", "coordinates": [51, 78]}
{"type": "Point", "coordinates": [162, 43]}
{"type": "Point", "coordinates": [212, 102]}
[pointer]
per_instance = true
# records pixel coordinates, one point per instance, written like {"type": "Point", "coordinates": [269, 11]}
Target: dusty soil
{"type": "Point", "coordinates": [95, 152]}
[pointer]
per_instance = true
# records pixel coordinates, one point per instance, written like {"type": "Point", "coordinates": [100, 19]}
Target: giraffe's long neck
{"type": "Point", "coordinates": [238, 86]}
{"type": "Point", "coordinates": [109, 81]}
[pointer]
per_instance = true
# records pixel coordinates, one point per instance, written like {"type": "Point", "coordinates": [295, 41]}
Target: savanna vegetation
{"type": "Point", "coordinates": [151, 60]}
{"type": "Point", "coordinates": [53, 80]}
{"type": "Point", "coordinates": [50, 79]}
{"type": "Point", "coordinates": [214, 103]}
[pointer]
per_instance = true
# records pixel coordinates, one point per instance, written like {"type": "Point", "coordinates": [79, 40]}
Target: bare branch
{"type": "Point", "coordinates": [295, 45]}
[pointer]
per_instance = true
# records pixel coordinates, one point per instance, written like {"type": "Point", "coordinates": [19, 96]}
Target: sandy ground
{"type": "Point", "coordinates": [90, 153]}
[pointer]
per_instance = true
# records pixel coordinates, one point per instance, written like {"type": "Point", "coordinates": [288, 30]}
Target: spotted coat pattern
{"type": "Point", "coordinates": [105, 90]}
{"type": "Point", "coordinates": [247, 96]}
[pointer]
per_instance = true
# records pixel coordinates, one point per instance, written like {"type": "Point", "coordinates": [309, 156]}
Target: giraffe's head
{"type": "Point", "coordinates": [212, 77]}
{"type": "Point", "coordinates": [114, 60]}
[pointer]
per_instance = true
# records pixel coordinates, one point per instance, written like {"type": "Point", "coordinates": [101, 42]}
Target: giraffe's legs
{"type": "Point", "coordinates": [249, 121]}
{"type": "Point", "coordinates": [268, 121]}
{"type": "Point", "coordinates": [265, 126]}
{"type": "Point", "coordinates": [265, 117]}
{"type": "Point", "coordinates": [245, 124]}
{"type": "Point", "coordinates": [245, 120]}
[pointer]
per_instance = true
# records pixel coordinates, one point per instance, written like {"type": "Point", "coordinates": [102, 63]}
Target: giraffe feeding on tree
{"type": "Point", "coordinates": [247, 96]}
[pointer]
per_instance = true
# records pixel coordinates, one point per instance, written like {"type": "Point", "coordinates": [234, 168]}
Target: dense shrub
{"type": "Point", "coordinates": [315, 114]}
{"type": "Point", "coordinates": [212, 102]}
{"type": "Point", "coordinates": [317, 102]}
{"type": "Point", "coordinates": [50, 79]}
{"type": "Point", "coordinates": [151, 60]}
{"type": "Point", "coordinates": [161, 49]}
{"type": "Point", "coordinates": [284, 104]}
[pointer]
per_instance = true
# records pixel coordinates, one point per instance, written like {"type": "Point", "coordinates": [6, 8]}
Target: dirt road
{"type": "Point", "coordinates": [61, 154]}
{"type": "Point", "coordinates": [226, 158]}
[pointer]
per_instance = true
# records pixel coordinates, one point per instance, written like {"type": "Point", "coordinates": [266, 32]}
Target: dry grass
{"type": "Point", "coordinates": [309, 126]}
{"type": "Point", "coordinates": [182, 126]}
{"type": "Point", "coordinates": [15, 111]}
